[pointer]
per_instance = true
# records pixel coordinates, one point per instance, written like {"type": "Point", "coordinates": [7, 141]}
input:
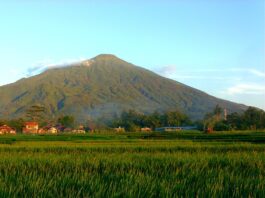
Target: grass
{"type": "Point", "coordinates": [189, 164]}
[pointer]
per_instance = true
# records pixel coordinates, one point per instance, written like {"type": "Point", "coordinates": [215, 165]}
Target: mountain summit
{"type": "Point", "coordinates": [103, 87]}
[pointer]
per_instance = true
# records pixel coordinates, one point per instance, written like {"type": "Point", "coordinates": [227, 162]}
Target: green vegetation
{"type": "Point", "coordinates": [252, 119]}
{"type": "Point", "coordinates": [101, 88]}
{"type": "Point", "coordinates": [67, 121]}
{"type": "Point", "coordinates": [35, 112]}
{"type": "Point", "coordinates": [133, 121]}
{"type": "Point", "coordinates": [187, 164]}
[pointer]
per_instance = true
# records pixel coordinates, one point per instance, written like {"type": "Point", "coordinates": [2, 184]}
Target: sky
{"type": "Point", "coordinates": [217, 46]}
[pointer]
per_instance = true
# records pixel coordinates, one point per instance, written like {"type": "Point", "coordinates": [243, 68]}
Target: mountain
{"type": "Point", "coordinates": [103, 87]}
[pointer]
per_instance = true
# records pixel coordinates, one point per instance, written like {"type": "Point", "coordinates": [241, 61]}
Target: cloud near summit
{"type": "Point", "coordinates": [47, 64]}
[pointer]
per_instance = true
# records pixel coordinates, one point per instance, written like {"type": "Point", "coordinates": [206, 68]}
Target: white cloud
{"type": "Point", "coordinates": [257, 72]}
{"type": "Point", "coordinates": [201, 77]}
{"type": "Point", "coordinates": [167, 70]}
{"type": "Point", "coordinates": [171, 70]}
{"type": "Point", "coordinates": [243, 88]}
{"type": "Point", "coordinates": [46, 64]}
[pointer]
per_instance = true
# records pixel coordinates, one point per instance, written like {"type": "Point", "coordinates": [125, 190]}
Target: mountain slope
{"type": "Point", "coordinates": [103, 87]}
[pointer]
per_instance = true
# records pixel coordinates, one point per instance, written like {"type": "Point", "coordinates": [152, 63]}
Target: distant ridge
{"type": "Point", "coordinates": [102, 87]}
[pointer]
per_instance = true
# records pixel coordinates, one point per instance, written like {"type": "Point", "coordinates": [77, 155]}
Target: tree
{"type": "Point", "coordinates": [217, 111]}
{"type": "Point", "coordinates": [154, 120]}
{"type": "Point", "coordinates": [199, 125]}
{"type": "Point", "coordinates": [221, 126]}
{"type": "Point", "coordinates": [16, 124]}
{"type": "Point", "coordinates": [2, 122]}
{"type": "Point", "coordinates": [133, 121]}
{"type": "Point", "coordinates": [132, 127]}
{"type": "Point", "coordinates": [176, 118]}
{"type": "Point", "coordinates": [253, 117]}
{"type": "Point", "coordinates": [67, 121]}
{"type": "Point", "coordinates": [209, 123]}
{"type": "Point", "coordinates": [211, 119]}
{"type": "Point", "coordinates": [36, 112]}
{"type": "Point", "coordinates": [234, 120]}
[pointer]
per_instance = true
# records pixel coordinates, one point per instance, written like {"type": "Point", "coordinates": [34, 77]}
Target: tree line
{"type": "Point", "coordinates": [251, 119]}
{"type": "Point", "coordinates": [66, 121]}
{"type": "Point", "coordinates": [134, 121]}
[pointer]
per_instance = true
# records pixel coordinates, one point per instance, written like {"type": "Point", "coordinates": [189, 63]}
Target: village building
{"type": "Point", "coordinates": [31, 128]}
{"type": "Point", "coordinates": [42, 131]}
{"type": "Point", "coordinates": [119, 129]}
{"type": "Point", "coordinates": [52, 130]}
{"type": "Point", "coordinates": [175, 128]}
{"type": "Point", "coordinates": [146, 129]}
{"type": "Point", "coordinates": [79, 131]}
{"type": "Point", "coordinates": [60, 128]}
{"type": "Point", "coordinates": [81, 127]}
{"type": "Point", "coordinates": [6, 130]}
{"type": "Point", "coordinates": [167, 129]}
{"type": "Point", "coordinates": [48, 130]}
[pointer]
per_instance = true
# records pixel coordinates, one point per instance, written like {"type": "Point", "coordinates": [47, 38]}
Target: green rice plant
{"type": "Point", "coordinates": [122, 166]}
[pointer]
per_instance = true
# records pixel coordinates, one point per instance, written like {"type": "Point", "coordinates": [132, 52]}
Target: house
{"type": "Point", "coordinates": [52, 130]}
{"type": "Point", "coordinates": [31, 128]}
{"type": "Point", "coordinates": [175, 128]}
{"type": "Point", "coordinates": [48, 130]}
{"type": "Point", "coordinates": [80, 131]}
{"type": "Point", "coordinates": [60, 128]}
{"type": "Point", "coordinates": [167, 129]}
{"type": "Point", "coordinates": [6, 130]}
{"type": "Point", "coordinates": [81, 127]}
{"type": "Point", "coordinates": [42, 131]}
{"type": "Point", "coordinates": [146, 129]}
{"type": "Point", "coordinates": [119, 129]}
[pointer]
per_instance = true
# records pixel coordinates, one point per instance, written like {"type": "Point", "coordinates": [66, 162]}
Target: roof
{"type": "Point", "coordinates": [177, 127]}
{"type": "Point", "coordinates": [5, 127]}
{"type": "Point", "coordinates": [31, 123]}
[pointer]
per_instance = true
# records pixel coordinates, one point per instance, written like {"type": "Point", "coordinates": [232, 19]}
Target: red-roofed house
{"type": "Point", "coordinates": [6, 130]}
{"type": "Point", "coordinates": [31, 127]}
{"type": "Point", "coordinates": [48, 130]}
{"type": "Point", "coordinates": [146, 129]}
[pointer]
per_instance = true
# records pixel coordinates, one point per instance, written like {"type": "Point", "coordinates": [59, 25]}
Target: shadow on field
{"type": "Point", "coordinates": [252, 137]}
{"type": "Point", "coordinates": [196, 136]}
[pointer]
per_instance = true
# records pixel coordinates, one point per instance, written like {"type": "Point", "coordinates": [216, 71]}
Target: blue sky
{"type": "Point", "coordinates": [217, 46]}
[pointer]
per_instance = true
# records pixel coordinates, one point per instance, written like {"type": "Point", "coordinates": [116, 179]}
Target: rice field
{"type": "Point", "coordinates": [133, 165]}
